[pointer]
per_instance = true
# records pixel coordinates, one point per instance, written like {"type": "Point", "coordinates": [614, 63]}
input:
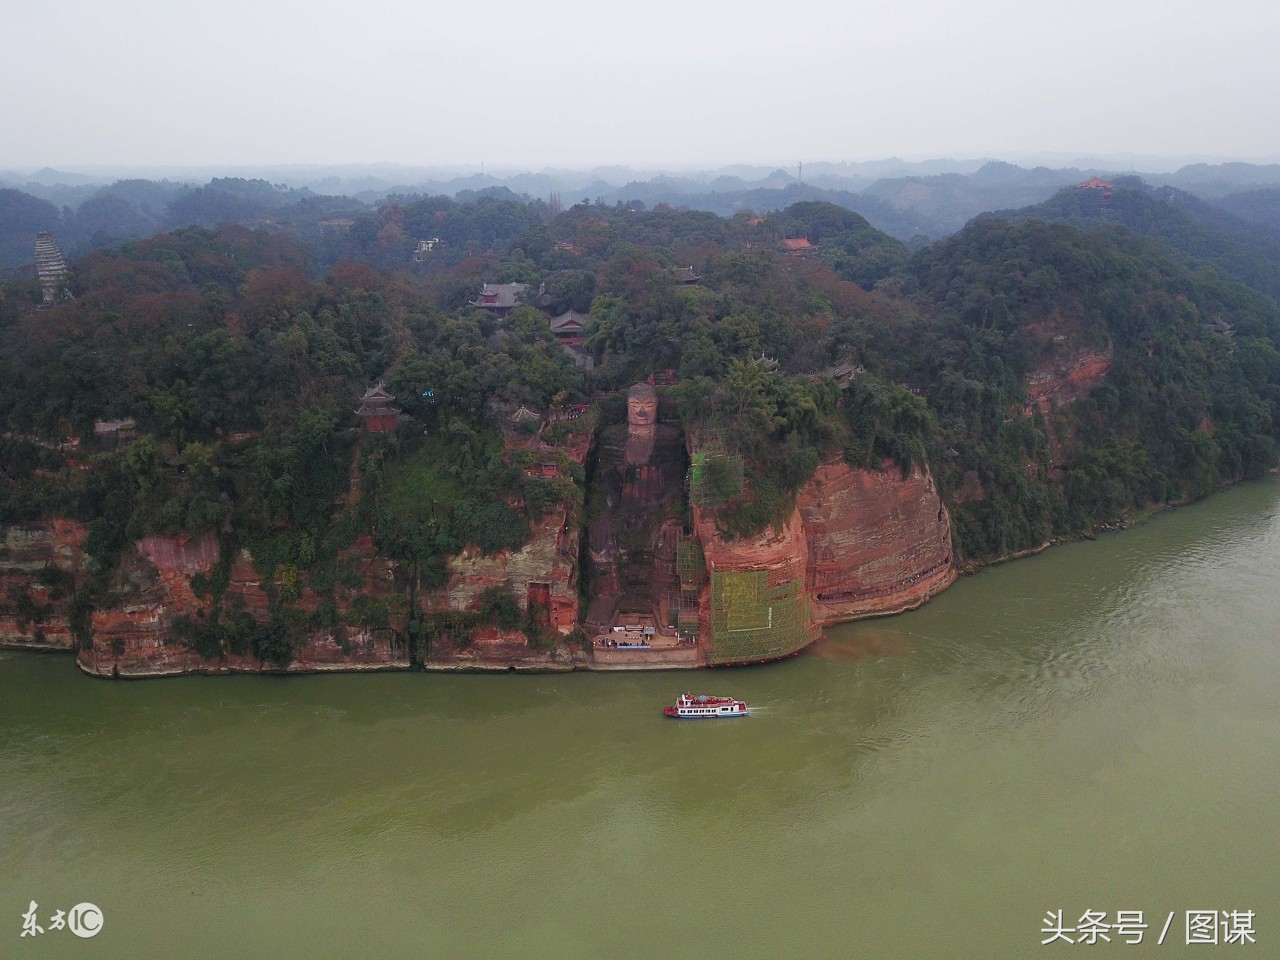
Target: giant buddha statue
{"type": "Point", "coordinates": [642, 422]}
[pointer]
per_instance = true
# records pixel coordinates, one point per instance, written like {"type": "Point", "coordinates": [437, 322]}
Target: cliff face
{"type": "Point", "coordinates": [878, 542]}
{"type": "Point", "coordinates": [544, 572]}
{"type": "Point", "coordinates": [1058, 381]}
{"type": "Point", "coordinates": [136, 638]}
{"type": "Point", "coordinates": [1065, 373]}
{"type": "Point", "coordinates": [39, 563]}
{"type": "Point", "coordinates": [756, 604]}
{"type": "Point", "coordinates": [859, 543]}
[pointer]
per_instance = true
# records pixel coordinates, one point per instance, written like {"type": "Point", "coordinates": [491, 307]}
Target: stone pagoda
{"type": "Point", "coordinates": [52, 269]}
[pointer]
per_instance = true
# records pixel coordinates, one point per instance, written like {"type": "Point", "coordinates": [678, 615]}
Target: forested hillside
{"type": "Point", "coordinates": [1191, 229]}
{"type": "Point", "coordinates": [1051, 379]}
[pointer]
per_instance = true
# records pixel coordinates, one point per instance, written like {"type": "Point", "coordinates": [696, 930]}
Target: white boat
{"type": "Point", "coordinates": [689, 706]}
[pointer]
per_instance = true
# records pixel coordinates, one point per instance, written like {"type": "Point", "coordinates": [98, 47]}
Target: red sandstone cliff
{"type": "Point", "coordinates": [757, 621]}
{"type": "Point", "coordinates": [778, 551]}
{"type": "Point", "coordinates": [39, 563]}
{"type": "Point", "coordinates": [860, 542]}
{"type": "Point", "coordinates": [135, 638]}
{"type": "Point", "coordinates": [544, 571]}
{"type": "Point", "coordinates": [1061, 379]}
{"type": "Point", "coordinates": [1067, 371]}
{"type": "Point", "coordinates": [878, 542]}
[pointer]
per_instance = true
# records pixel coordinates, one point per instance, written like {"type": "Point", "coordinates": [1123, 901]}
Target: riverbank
{"type": "Point", "coordinates": [515, 658]}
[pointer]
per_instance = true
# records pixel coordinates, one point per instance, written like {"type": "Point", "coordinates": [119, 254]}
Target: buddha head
{"type": "Point", "coordinates": [642, 406]}
{"type": "Point", "coordinates": [642, 423]}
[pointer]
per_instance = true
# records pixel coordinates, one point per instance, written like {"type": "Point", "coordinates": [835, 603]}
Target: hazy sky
{"type": "Point", "coordinates": [660, 83]}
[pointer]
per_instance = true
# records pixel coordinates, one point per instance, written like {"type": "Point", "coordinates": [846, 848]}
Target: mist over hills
{"type": "Point", "coordinates": [913, 201]}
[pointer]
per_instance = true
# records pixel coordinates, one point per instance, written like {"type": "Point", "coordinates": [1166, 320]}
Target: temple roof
{"type": "Point", "coordinates": [569, 321]}
{"type": "Point", "coordinates": [500, 296]}
{"type": "Point", "coordinates": [377, 402]}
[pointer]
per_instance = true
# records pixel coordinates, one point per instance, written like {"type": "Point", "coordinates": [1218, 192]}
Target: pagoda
{"type": "Point", "coordinates": [377, 409]}
{"type": "Point", "coordinates": [52, 269]}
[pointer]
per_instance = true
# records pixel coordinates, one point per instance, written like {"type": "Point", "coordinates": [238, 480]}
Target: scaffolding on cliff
{"type": "Point", "coordinates": [691, 564]}
{"type": "Point", "coordinates": [754, 619]}
{"type": "Point", "coordinates": [691, 577]}
{"type": "Point", "coordinates": [715, 472]}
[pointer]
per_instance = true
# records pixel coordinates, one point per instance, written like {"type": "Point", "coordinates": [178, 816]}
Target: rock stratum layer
{"type": "Point", "coordinates": [39, 565]}
{"type": "Point", "coordinates": [879, 542]}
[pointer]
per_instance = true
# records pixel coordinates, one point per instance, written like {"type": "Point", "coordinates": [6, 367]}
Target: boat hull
{"type": "Point", "coordinates": [709, 715]}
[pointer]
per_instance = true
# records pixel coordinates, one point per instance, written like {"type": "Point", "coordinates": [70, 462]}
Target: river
{"type": "Point", "coordinates": [1094, 728]}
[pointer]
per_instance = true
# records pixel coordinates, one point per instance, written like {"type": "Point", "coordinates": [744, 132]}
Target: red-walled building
{"type": "Point", "coordinates": [376, 409]}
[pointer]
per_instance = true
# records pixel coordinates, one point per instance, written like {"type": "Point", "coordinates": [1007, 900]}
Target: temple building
{"type": "Point", "coordinates": [797, 247]}
{"type": "Point", "coordinates": [1097, 183]}
{"type": "Point", "coordinates": [52, 269]}
{"type": "Point", "coordinates": [501, 298]}
{"type": "Point", "coordinates": [570, 326]}
{"type": "Point", "coordinates": [685, 275]}
{"type": "Point", "coordinates": [377, 410]}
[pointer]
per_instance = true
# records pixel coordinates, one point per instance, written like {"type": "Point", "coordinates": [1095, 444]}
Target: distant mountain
{"type": "Point", "coordinates": [1211, 180]}
{"type": "Point", "coordinates": [1200, 232]}
{"type": "Point", "coordinates": [22, 216]}
{"type": "Point", "coordinates": [49, 177]}
{"type": "Point", "coordinates": [946, 202]}
{"type": "Point", "coordinates": [1257, 206]}
{"type": "Point", "coordinates": [914, 202]}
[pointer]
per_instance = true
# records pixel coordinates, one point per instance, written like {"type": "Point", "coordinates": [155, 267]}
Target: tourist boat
{"type": "Point", "coordinates": [693, 707]}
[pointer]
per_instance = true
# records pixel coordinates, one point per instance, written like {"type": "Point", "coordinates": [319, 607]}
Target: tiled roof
{"type": "Point", "coordinates": [500, 296]}
{"type": "Point", "coordinates": [569, 320]}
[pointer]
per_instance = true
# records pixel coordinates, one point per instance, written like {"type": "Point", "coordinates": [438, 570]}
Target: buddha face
{"type": "Point", "coordinates": [642, 406]}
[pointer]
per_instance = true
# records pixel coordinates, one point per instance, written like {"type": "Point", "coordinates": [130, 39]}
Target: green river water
{"type": "Point", "coordinates": [1095, 728]}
